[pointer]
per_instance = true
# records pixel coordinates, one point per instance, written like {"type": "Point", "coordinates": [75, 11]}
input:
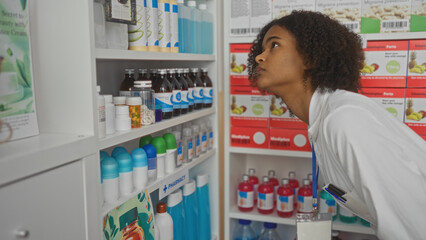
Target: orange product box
{"type": "Point", "coordinates": [249, 107]}
{"type": "Point", "coordinates": [417, 64]}
{"type": "Point", "coordinates": [280, 116]}
{"type": "Point", "coordinates": [391, 99]}
{"type": "Point", "coordinates": [249, 137]}
{"type": "Point", "coordinates": [415, 109]}
{"type": "Point", "coordinates": [289, 139]}
{"type": "Point", "coordinates": [385, 64]}
{"type": "Point", "coordinates": [238, 59]}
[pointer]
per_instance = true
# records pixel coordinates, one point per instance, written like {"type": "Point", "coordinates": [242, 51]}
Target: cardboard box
{"type": "Point", "coordinates": [238, 59]}
{"type": "Point", "coordinates": [280, 117]}
{"type": "Point", "coordinates": [249, 137]}
{"type": "Point", "coordinates": [281, 8]}
{"type": "Point", "coordinates": [289, 139]}
{"type": "Point", "coordinates": [240, 18]}
{"type": "Point", "coordinates": [417, 64]}
{"type": "Point", "coordinates": [418, 16]}
{"type": "Point", "coordinates": [385, 16]}
{"type": "Point", "coordinates": [391, 99]}
{"type": "Point", "coordinates": [347, 12]}
{"type": "Point", "coordinates": [249, 107]}
{"type": "Point", "coordinates": [385, 64]}
{"type": "Point", "coordinates": [261, 14]}
{"type": "Point", "coordinates": [415, 107]}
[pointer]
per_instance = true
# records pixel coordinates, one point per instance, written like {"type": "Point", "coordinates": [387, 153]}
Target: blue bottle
{"type": "Point", "coordinates": [244, 231]}
{"type": "Point", "coordinates": [191, 210]}
{"type": "Point", "coordinates": [118, 150]}
{"type": "Point", "coordinates": [206, 30]}
{"type": "Point", "coordinates": [103, 155]}
{"type": "Point", "coordinates": [183, 26]}
{"type": "Point", "coordinates": [151, 154]}
{"type": "Point", "coordinates": [204, 231]}
{"type": "Point", "coordinates": [195, 27]}
{"type": "Point", "coordinates": [175, 209]}
{"type": "Point", "coordinates": [270, 232]}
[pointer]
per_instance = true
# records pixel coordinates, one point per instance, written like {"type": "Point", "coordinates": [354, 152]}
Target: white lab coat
{"type": "Point", "coordinates": [360, 147]}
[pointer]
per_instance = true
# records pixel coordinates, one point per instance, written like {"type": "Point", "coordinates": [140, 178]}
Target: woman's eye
{"type": "Point", "coordinates": [274, 45]}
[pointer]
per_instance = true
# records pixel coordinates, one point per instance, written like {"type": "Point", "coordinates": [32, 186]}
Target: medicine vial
{"type": "Point", "coordinates": [143, 89]}
{"type": "Point", "coordinates": [122, 118]}
{"type": "Point", "coordinates": [134, 104]}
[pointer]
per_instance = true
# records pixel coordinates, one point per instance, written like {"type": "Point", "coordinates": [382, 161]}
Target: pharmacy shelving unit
{"type": "Point", "coordinates": [54, 177]}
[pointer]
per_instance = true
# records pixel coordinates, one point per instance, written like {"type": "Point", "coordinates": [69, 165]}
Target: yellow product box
{"type": "Point", "coordinates": [415, 110]}
{"type": "Point", "coordinates": [347, 12]}
{"type": "Point", "coordinates": [417, 64]}
{"type": "Point", "coordinates": [385, 16]}
{"type": "Point", "coordinates": [281, 8]}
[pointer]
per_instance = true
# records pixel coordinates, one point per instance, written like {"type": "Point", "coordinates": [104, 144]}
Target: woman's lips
{"type": "Point", "coordinates": [259, 70]}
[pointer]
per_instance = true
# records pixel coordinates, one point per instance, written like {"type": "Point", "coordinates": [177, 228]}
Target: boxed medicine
{"type": "Point", "coordinates": [249, 137]}
{"type": "Point", "coordinates": [385, 16]}
{"type": "Point", "coordinates": [391, 99]}
{"type": "Point", "coordinates": [418, 16]}
{"type": "Point", "coordinates": [347, 12]}
{"type": "Point", "coordinates": [281, 8]}
{"type": "Point", "coordinates": [239, 23]}
{"type": "Point", "coordinates": [249, 107]}
{"type": "Point", "coordinates": [280, 116]}
{"type": "Point", "coordinates": [261, 14]}
{"type": "Point", "coordinates": [239, 56]}
{"type": "Point", "coordinates": [415, 110]}
{"type": "Point", "coordinates": [385, 64]}
{"type": "Point", "coordinates": [417, 64]}
{"type": "Point", "coordinates": [289, 139]}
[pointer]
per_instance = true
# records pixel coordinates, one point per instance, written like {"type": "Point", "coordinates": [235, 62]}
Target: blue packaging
{"type": "Point", "coordinates": [175, 209]}
{"type": "Point", "coordinates": [204, 227]}
{"type": "Point", "coordinates": [191, 210]}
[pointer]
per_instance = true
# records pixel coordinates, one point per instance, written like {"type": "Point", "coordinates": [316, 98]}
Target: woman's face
{"type": "Point", "coordinates": [279, 64]}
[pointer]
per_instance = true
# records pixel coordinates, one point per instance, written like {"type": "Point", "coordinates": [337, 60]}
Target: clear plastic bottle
{"type": "Point", "coordinates": [196, 141]}
{"type": "Point", "coordinates": [198, 88]}
{"type": "Point", "coordinates": [176, 92]}
{"type": "Point", "coordinates": [179, 145]}
{"type": "Point", "coordinates": [270, 232]}
{"type": "Point", "coordinates": [188, 146]}
{"type": "Point", "coordinates": [184, 15]}
{"type": "Point", "coordinates": [143, 89]}
{"type": "Point", "coordinates": [244, 231]}
{"type": "Point", "coordinates": [184, 104]}
{"type": "Point", "coordinates": [190, 89]}
{"type": "Point", "coordinates": [164, 221]}
{"type": "Point", "coordinates": [206, 30]}
{"type": "Point", "coordinates": [210, 134]}
{"type": "Point", "coordinates": [204, 137]}
{"type": "Point", "coordinates": [128, 82]}
{"type": "Point", "coordinates": [207, 88]}
{"type": "Point", "coordinates": [163, 94]}
{"type": "Point", "coordinates": [195, 27]}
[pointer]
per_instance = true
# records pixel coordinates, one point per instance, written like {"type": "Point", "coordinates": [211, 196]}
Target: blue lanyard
{"type": "Point", "coordinates": [315, 172]}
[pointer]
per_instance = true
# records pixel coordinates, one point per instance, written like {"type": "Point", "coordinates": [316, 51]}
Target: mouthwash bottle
{"type": "Point", "coordinates": [195, 28]}
{"type": "Point", "coordinates": [184, 15]}
{"type": "Point", "coordinates": [204, 230]}
{"type": "Point", "coordinates": [191, 210]}
{"type": "Point", "coordinates": [206, 30]}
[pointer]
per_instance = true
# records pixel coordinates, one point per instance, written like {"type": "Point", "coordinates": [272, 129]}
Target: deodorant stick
{"type": "Point", "coordinates": [109, 179]}
{"type": "Point", "coordinates": [125, 170]}
{"type": "Point", "coordinates": [140, 168]}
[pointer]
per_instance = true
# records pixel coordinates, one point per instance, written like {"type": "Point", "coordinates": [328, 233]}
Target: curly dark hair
{"type": "Point", "coordinates": [332, 54]}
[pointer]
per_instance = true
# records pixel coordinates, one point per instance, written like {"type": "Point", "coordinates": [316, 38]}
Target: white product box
{"type": "Point", "coordinates": [280, 116]}
{"type": "Point", "coordinates": [261, 14]}
{"type": "Point", "coordinates": [281, 8]}
{"type": "Point", "coordinates": [240, 18]}
{"type": "Point", "coordinates": [238, 67]}
{"type": "Point", "coordinates": [384, 16]}
{"type": "Point", "coordinates": [347, 12]}
{"type": "Point", "coordinates": [391, 99]}
{"type": "Point", "coordinates": [250, 137]}
{"type": "Point", "coordinates": [415, 109]}
{"type": "Point", "coordinates": [417, 64]}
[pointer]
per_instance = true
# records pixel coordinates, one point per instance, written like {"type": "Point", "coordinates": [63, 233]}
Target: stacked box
{"type": "Point", "coordinates": [385, 16]}
{"type": "Point", "coordinates": [385, 64]}
{"type": "Point", "coordinates": [249, 137]}
{"type": "Point", "coordinates": [249, 107]}
{"type": "Point", "coordinates": [347, 12]}
{"type": "Point", "coordinates": [391, 99]}
{"type": "Point", "coordinates": [418, 16]}
{"type": "Point", "coordinates": [261, 14]}
{"type": "Point", "coordinates": [239, 73]}
{"type": "Point", "coordinates": [417, 64]}
{"type": "Point", "coordinates": [415, 110]}
{"type": "Point", "coordinates": [289, 139]}
{"type": "Point", "coordinates": [280, 116]}
{"type": "Point", "coordinates": [281, 8]}
{"type": "Point", "coordinates": [240, 18]}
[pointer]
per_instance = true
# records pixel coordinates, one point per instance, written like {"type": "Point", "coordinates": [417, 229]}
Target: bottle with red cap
{"type": "Point", "coordinates": [245, 195]}
{"type": "Point", "coordinates": [294, 184]}
{"type": "Point", "coordinates": [304, 198]}
{"type": "Point", "coordinates": [265, 197]}
{"type": "Point", "coordinates": [253, 179]}
{"type": "Point", "coordinates": [285, 200]}
{"type": "Point", "coordinates": [275, 184]}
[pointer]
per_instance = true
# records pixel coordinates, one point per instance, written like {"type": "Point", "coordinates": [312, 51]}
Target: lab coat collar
{"type": "Point", "coordinates": [316, 109]}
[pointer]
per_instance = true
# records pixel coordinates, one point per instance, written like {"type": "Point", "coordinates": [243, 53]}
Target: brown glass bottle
{"type": "Point", "coordinates": [143, 74]}
{"type": "Point", "coordinates": [207, 88]}
{"type": "Point", "coordinates": [176, 92]}
{"type": "Point", "coordinates": [198, 88]}
{"type": "Point", "coordinates": [163, 94]}
{"type": "Point", "coordinates": [127, 83]}
{"type": "Point", "coordinates": [190, 90]}
{"type": "Point", "coordinates": [184, 104]}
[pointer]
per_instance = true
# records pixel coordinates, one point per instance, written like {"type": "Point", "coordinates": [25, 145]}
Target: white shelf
{"type": "Point", "coordinates": [274, 218]}
{"type": "Point", "coordinates": [32, 155]}
{"type": "Point", "coordinates": [155, 185]}
{"type": "Point", "coordinates": [115, 54]}
{"type": "Point", "coordinates": [270, 152]}
{"type": "Point", "coordinates": [120, 137]}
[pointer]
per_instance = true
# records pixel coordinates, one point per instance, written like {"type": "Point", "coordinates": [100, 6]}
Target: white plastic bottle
{"type": "Point", "coordinates": [109, 114]}
{"type": "Point", "coordinates": [152, 25]}
{"type": "Point", "coordinates": [101, 114]}
{"type": "Point", "coordinates": [125, 170]}
{"type": "Point", "coordinates": [122, 118]}
{"type": "Point", "coordinates": [164, 222]}
{"type": "Point", "coordinates": [174, 27]}
{"type": "Point", "coordinates": [164, 25]}
{"type": "Point", "coordinates": [109, 179]}
{"type": "Point", "coordinates": [140, 168]}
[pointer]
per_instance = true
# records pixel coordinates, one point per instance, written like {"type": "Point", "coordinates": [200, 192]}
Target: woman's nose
{"type": "Point", "coordinates": [260, 58]}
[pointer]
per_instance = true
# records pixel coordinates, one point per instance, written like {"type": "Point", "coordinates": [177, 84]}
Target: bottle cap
{"type": "Point", "coordinates": [139, 158]}
{"type": "Point", "coordinates": [159, 144]}
{"type": "Point", "coordinates": [179, 70]}
{"type": "Point", "coordinates": [204, 69]}
{"type": "Point", "coordinates": [171, 70]}
{"type": "Point", "coordinates": [189, 188]}
{"type": "Point", "coordinates": [187, 132]}
{"type": "Point", "coordinates": [202, 6]}
{"type": "Point", "coordinates": [252, 171]}
{"type": "Point", "coordinates": [103, 155]}
{"type": "Point", "coordinates": [310, 177]}
{"type": "Point", "coordinates": [174, 198]}
{"type": "Point", "coordinates": [285, 181]}
{"type": "Point", "coordinates": [109, 168]}
{"type": "Point", "coordinates": [191, 4]}
{"type": "Point", "coordinates": [162, 71]}
{"type": "Point", "coordinates": [129, 71]}
{"type": "Point", "coordinates": [265, 179]}
{"type": "Point", "coordinates": [108, 98]}
{"type": "Point", "coordinates": [122, 110]}
{"type": "Point", "coordinates": [118, 150]}
{"type": "Point", "coordinates": [170, 140]}
{"type": "Point", "coordinates": [129, 217]}
{"type": "Point", "coordinates": [202, 179]}
{"type": "Point", "coordinates": [125, 163]}
{"type": "Point", "coordinates": [120, 100]}
{"type": "Point", "coordinates": [150, 150]}
{"type": "Point", "coordinates": [145, 140]}
{"type": "Point", "coordinates": [194, 70]}
{"type": "Point", "coordinates": [244, 222]}
{"type": "Point", "coordinates": [133, 101]}
{"type": "Point", "coordinates": [270, 225]}
{"type": "Point", "coordinates": [143, 84]}
{"type": "Point", "coordinates": [306, 182]}
{"type": "Point", "coordinates": [271, 173]}
{"type": "Point", "coordinates": [161, 207]}
{"type": "Point", "coordinates": [178, 135]}
{"type": "Point", "coordinates": [98, 88]}
{"type": "Point", "coordinates": [142, 70]}
{"type": "Point", "coordinates": [245, 177]}
{"type": "Point", "coordinates": [186, 70]}
{"type": "Point", "coordinates": [291, 175]}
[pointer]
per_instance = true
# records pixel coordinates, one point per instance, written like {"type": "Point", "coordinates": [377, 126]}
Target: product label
{"type": "Point", "coordinates": [249, 137]}
{"type": "Point", "coordinates": [176, 99]}
{"type": "Point", "coordinates": [137, 33]}
{"type": "Point", "coordinates": [211, 139]}
{"type": "Point", "coordinates": [255, 186]}
{"type": "Point", "coordinates": [152, 163]}
{"type": "Point", "coordinates": [184, 103]}
{"type": "Point", "coordinates": [190, 151]}
{"type": "Point", "coordinates": [285, 203]}
{"type": "Point", "coordinates": [249, 107]}
{"type": "Point", "coordinates": [240, 18]}
{"type": "Point", "coordinates": [238, 72]}
{"type": "Point", "coordinates": [207, 95]}
{"type": "Point", "coordinates": [164, 24]}
{"type": "Point", "coordinates": [204, 142]}
{"type": "Point", "coordinates": [198, 95]}
{"type": "Point", "coordinates": [245, 199]}
{"type": "Point", "coordinates": [304, 204]}
{"type": "Point", "coordinates": [281, 8]}
{"type": "Point", "coordinates": [190, 96]}
{"type": "Point", "coordinates": [179, 154]}
{"type": "Point", "coordinates": [391, 99]}
{"type": "Point", "coordinates": [385, 16]}
{"type": "Point", "coordinates": [152, 23]}
{"type": "Point", "coordinates": [198, 146]}
{"type": "Point", "coordinates": [164, 99]}
{"type": "Point", "coordinates": [101, 114]}
{"type": "Point", "coordinates": [289, 139]}
{"type": "Point", "coordinates": [417, 62]}
{"type": "Point", "coordinates": [173, 182]}
{"type": "Point", "coordinates": [265, 201]}
{"type": "Point", "coordinates": [328, 206]}
{"type": "Point", "coordinates": [347, 12]}
{"type": "Point", "coordinates": [261, 14]}
{"type": "Point", "coordinates": [415, 109]}
{"type": "Point", "coordinates": [174, 30]}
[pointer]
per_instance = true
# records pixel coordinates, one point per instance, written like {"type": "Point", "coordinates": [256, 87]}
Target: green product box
{"type": "Point", "coordinates": [385, 16]}
{"type": "Point", "coordinates": [418, 16]}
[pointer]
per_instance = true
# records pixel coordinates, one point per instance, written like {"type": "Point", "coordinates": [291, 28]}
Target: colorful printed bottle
{"type": "Point", "coordinates": [346, 215]}
{"type": "Point", "coordinates": [327, 204]}
{"type": "Point", "coordinates": [253, 179]}
{"type": "Point", "coordinates": [304, 198]}
{"type": "Point", "coordinates": [207, 88]}
{"type": "Point", "coordinates": [184, 104]}
{"type": "Point", "coordinates": [151, 154]}
{"type": "Point", "coordinates": [244, 231]}
{"type": "Point", "coordinates": [285, 200]}
{"type": "Point", "coordinates": [163, 95]}
{"type": "Point", "coordinates": [190, 89]}
{"type": "Point", "coordinates": [129, 225]}
{"type": "Point", "coordinates": [245, 195]}
{"type": "Point", "coordinates": [275, 184]}
{"type": "Point", "coordinates": [294, 184]}
{"type": "Point", "coordinates": [265, 197]}
{"type": "Point", "coordinates": [164, 25]}
{"type": "Point", "coordinates": [198, 89]}
{"type": "Point", "coordinates": [174, 27]}
{"type": "Point", "coordinates": [152, 25]}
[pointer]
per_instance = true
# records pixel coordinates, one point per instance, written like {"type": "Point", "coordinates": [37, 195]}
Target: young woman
{"type": "Point", "coordinates": [312, 63]}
